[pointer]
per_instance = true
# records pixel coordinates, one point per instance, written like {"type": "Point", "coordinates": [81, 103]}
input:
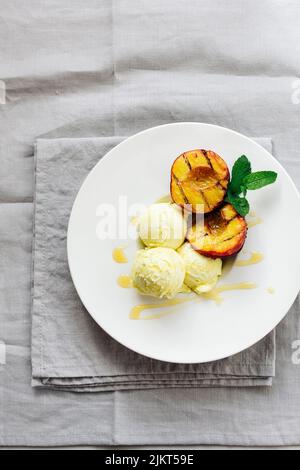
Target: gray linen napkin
{"type": "Point", "coordinates": [69, 350]}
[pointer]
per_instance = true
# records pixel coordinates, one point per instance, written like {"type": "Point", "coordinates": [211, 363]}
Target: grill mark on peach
{"type": "Point", "coordinates": [204, 198]}
{"type": "Point", "coordinates": [237, 236]}
{"type": "Point", "coordinates": [181, 189]}
{"type": "Point", "coordinates": [187, 161]}
{"type": "Point", "coordinates": [225, 223]}
{"type": "Point", "coordinates": [219, 185]}
{"type": "Point", "coordinates": [204, 152]}
{"type": "Point", "coordinates": [201, 175]}
{"type": "Point", "coordinates": [224, 184]}
{"type": "Point", "coordinates": [215, 184]}
{"type": "Point", "coordinates": [231, 220]}
{"type": "Point", "coordinates": [233, 236]}
{"type": "Point", "coordinates": [217, 165]}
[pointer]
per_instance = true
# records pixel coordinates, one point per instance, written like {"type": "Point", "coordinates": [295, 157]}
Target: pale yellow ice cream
{"type": "Point", "coordinates": [163, 225]}
{"type": "Point", "coordinates": [158, 272]}
{"type": "Point", "coordinates": [201, 273]}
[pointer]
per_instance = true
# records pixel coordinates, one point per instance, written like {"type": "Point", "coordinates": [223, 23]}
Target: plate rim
{"type": "Point", "coordinates": [107, 155]}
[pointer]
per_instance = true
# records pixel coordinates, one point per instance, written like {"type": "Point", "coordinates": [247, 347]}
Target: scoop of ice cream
{"type": "Point", "coordinates": [163, 225]}
{"type": "Point", "coordinates": [158, 272]}
{"type": "Point", "coordinates": [201, 273]}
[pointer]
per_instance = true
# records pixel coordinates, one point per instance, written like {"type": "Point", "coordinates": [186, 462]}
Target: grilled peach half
{"type": "Point", "coordinates": [222, 234]}
{"type": "Point", "coordinates": [199, 180]}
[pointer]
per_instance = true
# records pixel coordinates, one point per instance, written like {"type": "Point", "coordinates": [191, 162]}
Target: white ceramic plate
{"type": "Point", "coordinates": [139, 168]}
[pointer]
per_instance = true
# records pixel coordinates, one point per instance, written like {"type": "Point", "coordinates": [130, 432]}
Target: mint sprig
{"type": "Point", "coordinates": [240, 170]}
{"type": "Point", "coordinates": [243, 180]}
{"type": "Point", "coordinates": [259, 179]}
{"type": "Point", "coordinates": [240, 203]}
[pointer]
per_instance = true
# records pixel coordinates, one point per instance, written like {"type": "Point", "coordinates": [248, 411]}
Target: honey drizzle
{"type": "Point", "coordinates": [255, 220]}
{"type": "Point", "coordinates": [136, 311]}
{"type": "Point", "coordinates": [162, 199]}
{"type": "Point", "coordinates": [214, 294]}
{"type": "Point", "coordinates": [119, 255]}
{"type": "Point", "coordinates": [125, 281]}
{"type": "Point", "coordinates": [255, 258]}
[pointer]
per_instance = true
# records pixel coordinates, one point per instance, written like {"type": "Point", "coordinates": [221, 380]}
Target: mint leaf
{"type": "Point", "coordinates": [240, 170]}
{"type": "Point", "coordinates": [244, 190]}
{"type": "Point", "coordinates": [259, 179]}
{"type": "Point", "coordinates": [240, 204]}
{"type": "Point", "coordinates": [242, 179]}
